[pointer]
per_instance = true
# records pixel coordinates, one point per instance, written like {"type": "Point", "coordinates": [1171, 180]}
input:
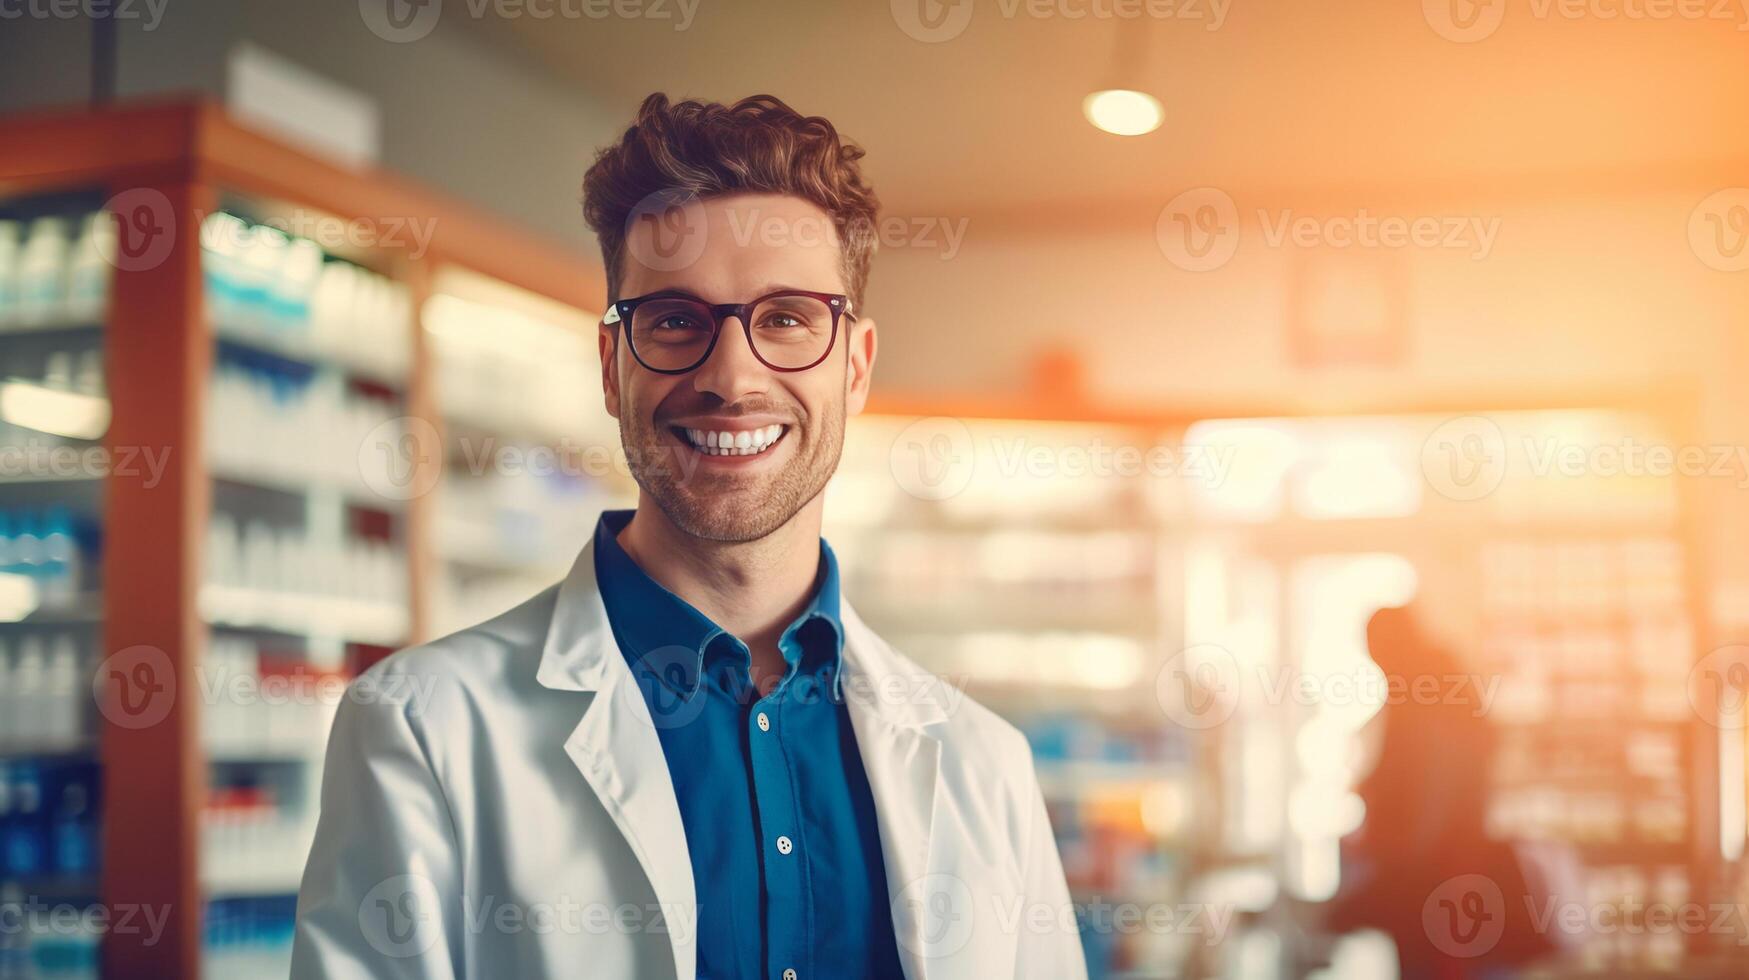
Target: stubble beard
{"type": "Point", "coordinates": [729, 507]}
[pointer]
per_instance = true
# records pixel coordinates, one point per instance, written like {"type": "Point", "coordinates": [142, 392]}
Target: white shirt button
{"type": "Point", "coordinates": [785, 845]}
{"type": "Point", "coordinates": [789, 975]}
{"type": "Point", "coordinates": [764, 722]}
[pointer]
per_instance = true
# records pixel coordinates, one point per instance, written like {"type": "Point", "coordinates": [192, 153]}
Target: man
{"type": "Point", "coordinates": [692, 758]}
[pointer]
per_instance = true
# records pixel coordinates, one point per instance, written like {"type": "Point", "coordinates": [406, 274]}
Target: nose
{"type": "Point", "coordinates": [731, 371]}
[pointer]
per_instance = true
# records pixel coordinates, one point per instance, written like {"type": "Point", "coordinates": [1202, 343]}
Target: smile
{"type": "Point", "coordinates": [744, 442]}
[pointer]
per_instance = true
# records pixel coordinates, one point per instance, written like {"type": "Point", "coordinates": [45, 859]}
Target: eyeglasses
{"type": "Point", "coordinates": [673, 333]}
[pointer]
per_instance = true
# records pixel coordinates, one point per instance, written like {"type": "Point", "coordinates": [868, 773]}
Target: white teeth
{"type": "Point", "coordinates": [746, 442]}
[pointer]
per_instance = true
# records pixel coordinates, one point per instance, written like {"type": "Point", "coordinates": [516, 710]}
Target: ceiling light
{"type": "Point", "coordinates": [1125, 112]}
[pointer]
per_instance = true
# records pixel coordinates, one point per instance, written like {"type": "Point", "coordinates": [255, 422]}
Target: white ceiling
{"type": "Point", "coordinates": [1289, 98]}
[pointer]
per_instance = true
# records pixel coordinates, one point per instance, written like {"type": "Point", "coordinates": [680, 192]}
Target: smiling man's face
{"type": "Point", "coordinates": [747, 245]}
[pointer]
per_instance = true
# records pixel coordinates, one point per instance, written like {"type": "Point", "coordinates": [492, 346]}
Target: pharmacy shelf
{"type": "Point", "coordinates": [52, 888]}
{"type": "Point", "coordinates": [51, 751]}
{"type": "Point", "coordinates": [296, 481]}
{"type": "Point", "coordinates": [302, 351]}
{"type": "Point", "coordinates": [86, 330]}
{"type": "Point", "coordinates": [299, 614]}
{"type": "Point", "coordinates": [52, 479]}
{"type": "Point", "coordinates": [85, 610]}
{"type": "Point", "coordinates": [481, 545]}
{"type": "Point", "coordinates": [278, 879]}
{"type": "Point", "coordinates": [263, 750]}
{"type": "Point", "coordinates": [185, 162]}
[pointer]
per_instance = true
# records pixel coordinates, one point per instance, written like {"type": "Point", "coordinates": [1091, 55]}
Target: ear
{"type": "Point", "coordinates": [860, 371]}
{"type": "Point", "coordinates": [609, 344]}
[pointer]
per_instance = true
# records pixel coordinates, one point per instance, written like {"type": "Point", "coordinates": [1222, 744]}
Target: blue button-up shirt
{"type": "Point", "coordinates": [779, 818]}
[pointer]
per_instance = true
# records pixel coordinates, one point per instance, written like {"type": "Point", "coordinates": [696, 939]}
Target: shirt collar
{"type": "Point", "coordinates": [663, 636]}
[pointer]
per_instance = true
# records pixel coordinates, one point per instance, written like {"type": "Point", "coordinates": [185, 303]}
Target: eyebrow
{"type": "Point", "coordinates": [765, 290]}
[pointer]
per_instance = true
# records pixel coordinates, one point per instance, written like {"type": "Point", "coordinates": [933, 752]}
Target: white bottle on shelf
{"type": "Point", "coordinates": [10, 234]}
{"type": "Point", "coordinates": [65, 721]}
{"type": "Point", "coordinates": [295, 287]}
{"type": "Point", "coordinates": [58, 370]}
{"type": "Point", "coordinates": [28, 687]}
{"type": "Point", "coordinates": [263, 265]}
{"type": "Point", "coordinates": [61, 572]}
{"type": "Point", "coordinates": [27, 548]}
{"type": "Point", "coordinates": [261, 556]}
{"type": "Point", "coordinates": [335, 289]}
{"type": "Point", "coordinates": [42, 272]}
{"type": "Point", "coordinates": [221, 239]}
{"type": "Point", "coordinates": [88, 278]}
{"type": "Point", "coordinates": [223, 566]}
{"type": "Point", "coordinates": [88, 376]}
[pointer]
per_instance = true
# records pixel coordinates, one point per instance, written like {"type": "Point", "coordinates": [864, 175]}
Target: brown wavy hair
{"type": "Point", "coordinates": [707, 149]}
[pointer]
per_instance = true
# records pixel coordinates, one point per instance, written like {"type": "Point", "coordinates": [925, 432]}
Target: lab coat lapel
{"type": "Point", "coordinates": [892, 717]}
{"type": "Point", "coordinates": [616, 749]}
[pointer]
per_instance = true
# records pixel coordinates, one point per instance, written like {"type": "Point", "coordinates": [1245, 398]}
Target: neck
{"type": "Point", "coordinates": [753, 589]}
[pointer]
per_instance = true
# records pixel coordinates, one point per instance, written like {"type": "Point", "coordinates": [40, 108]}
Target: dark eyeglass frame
{"type": "Point", "coordinates": [620, 313]}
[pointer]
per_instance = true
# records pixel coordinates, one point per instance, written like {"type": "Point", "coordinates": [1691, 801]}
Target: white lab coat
{"type": "Point", "coordinates": [496, 804]}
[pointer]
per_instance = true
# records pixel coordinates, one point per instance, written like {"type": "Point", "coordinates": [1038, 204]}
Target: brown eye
{"type": "Point", "coordinates": [676, 321]}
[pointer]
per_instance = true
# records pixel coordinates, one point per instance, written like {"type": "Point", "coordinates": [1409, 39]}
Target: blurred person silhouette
{"type": "Point", "coordinates": [1422, 868]}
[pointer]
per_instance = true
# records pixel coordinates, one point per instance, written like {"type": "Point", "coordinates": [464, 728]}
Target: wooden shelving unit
{"type": "Point", "coordinates": [167, 167]}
